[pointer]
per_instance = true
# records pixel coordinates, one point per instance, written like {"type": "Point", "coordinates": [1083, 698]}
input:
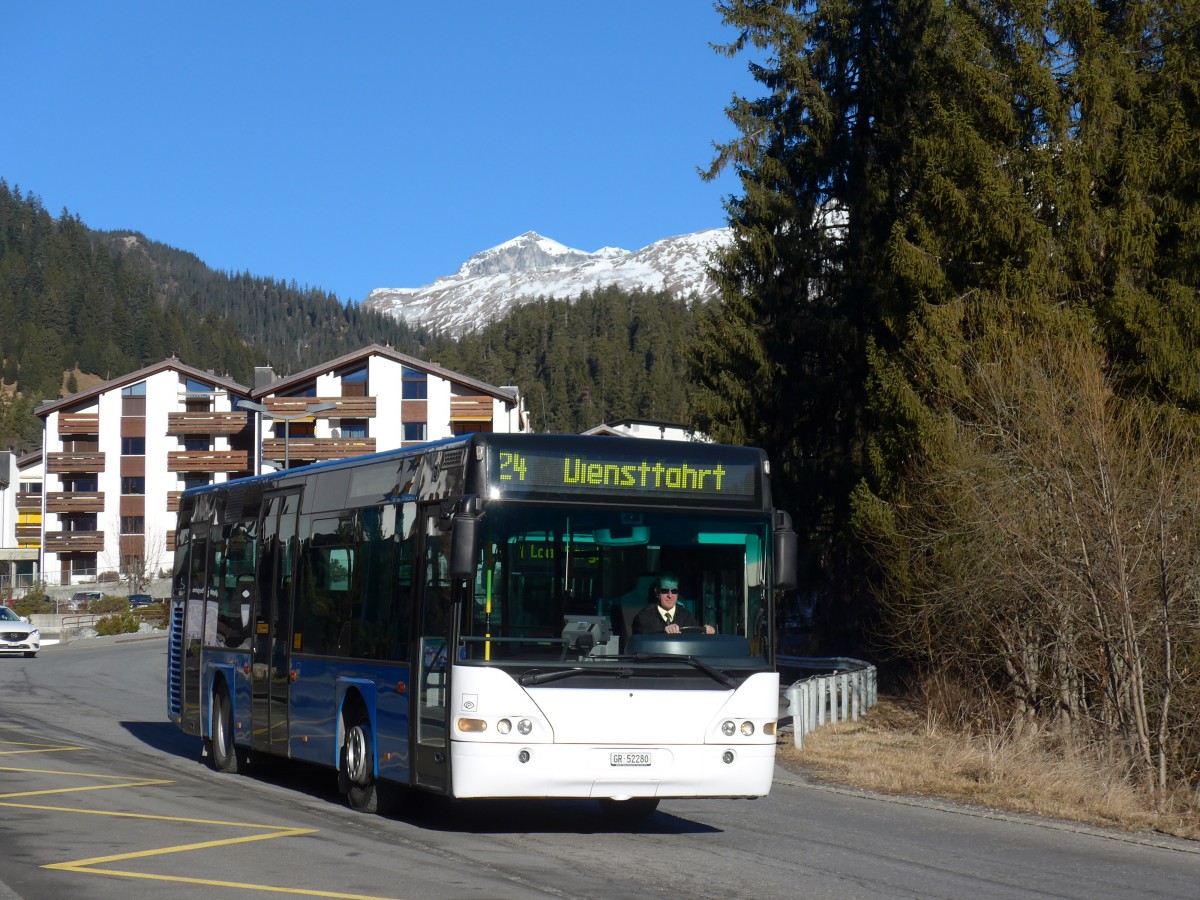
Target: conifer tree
{"type": "Point", "coordinates": [907, 161]}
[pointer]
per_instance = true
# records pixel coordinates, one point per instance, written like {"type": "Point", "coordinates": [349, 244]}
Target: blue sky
{"type": "Point", "coordinates": [351, 146]}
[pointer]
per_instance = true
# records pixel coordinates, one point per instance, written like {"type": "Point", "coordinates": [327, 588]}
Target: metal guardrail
{"type": "Point", "coordinates": [73, 625]}
{"type": "Point", "coordinates": [840, 691]}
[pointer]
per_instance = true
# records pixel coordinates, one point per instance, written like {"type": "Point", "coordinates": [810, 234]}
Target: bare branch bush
{"type": "Point", "coordinates": [1048, 558]}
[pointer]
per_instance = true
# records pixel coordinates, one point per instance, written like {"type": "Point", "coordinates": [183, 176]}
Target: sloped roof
{"type": "Point", "coordinates": [170, 364]}
{"type": "Point", "coordinates": [349, 359]}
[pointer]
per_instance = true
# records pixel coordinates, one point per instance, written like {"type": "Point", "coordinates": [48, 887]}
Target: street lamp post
{"type": "Point", "coordinates": [286, 419]}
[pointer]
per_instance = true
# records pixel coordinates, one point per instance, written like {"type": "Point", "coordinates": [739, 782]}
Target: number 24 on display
{"type": "Point", "coordinates": [511, 463]}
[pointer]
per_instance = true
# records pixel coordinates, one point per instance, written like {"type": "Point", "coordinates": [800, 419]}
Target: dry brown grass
{"type": "Point", "coordinates": [895, 750]}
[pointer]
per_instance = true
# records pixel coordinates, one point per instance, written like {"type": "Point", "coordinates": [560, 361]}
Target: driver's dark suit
{"type": "Point", "coordinates": [650, 621]}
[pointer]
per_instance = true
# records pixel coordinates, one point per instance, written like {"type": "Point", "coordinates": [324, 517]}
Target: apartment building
{"type": "Point", "coordinates": [373, 399]}
{"type": "Point", "coordinates": [116, 457]}
{"type": "Point", "coordinates": [20, 520]}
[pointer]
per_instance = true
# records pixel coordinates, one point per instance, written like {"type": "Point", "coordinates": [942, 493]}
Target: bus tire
{"type": "Point", "coordinates": [356, 774]}
{"type": "Point", "coordinates": [636, 809]}
{"type": "Point", "coordinates": [225, 755]}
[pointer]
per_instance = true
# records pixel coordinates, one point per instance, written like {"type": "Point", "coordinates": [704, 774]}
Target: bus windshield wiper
{"type": "Point", "coordinates": [695, 662]}
{"type": "Point", "coordinates": [537, 676]}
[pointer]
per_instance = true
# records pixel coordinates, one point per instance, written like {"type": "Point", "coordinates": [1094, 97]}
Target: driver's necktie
{"type": "Point", "coordinates": [667, 618]}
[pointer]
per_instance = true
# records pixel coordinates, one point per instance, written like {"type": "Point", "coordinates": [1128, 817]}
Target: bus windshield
{"type": "Point", "coordinates": [548, 575]}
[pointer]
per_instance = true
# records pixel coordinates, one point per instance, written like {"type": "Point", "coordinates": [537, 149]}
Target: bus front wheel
{"type": "Point", "coordinates": [356, 775]}
{"type": "Point", "coordinates": [224, 755]}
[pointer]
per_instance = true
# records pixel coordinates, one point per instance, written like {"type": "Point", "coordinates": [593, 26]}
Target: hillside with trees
{"type": "Point", "coordinates": [962, 312]}
{"type": "Point", "coordinates": [608, 355]}
{"type": "Point", "coordinates": [107, 303]}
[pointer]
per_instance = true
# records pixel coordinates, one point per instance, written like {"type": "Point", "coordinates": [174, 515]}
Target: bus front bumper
{"type": "Point", "coordinates": [483, 769]}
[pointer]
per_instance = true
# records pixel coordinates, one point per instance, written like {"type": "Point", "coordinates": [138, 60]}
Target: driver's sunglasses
{"type": "Point", "coordinates": [663, 590]}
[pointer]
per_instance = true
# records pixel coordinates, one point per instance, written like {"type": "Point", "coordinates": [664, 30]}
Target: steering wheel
{"type": "Point", "coordinates": [691, 629]}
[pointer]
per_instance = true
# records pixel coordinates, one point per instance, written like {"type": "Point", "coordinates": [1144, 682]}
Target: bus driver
{"type": "Point", "coordinates": [664, 614]}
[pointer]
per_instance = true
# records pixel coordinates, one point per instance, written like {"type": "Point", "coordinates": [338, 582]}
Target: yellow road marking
{"type": "Point", "coordinates": [36, 748]}
{"type": "Point", "coordinates": [93, 866]}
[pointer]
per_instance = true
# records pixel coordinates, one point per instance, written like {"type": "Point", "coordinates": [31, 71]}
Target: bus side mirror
{"type": "Point", "coordinates": [787, 554]}
{"type": "Point", "coordinates": [464, 541]}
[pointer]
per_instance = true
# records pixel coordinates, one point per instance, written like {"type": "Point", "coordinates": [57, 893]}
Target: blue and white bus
{"type": "Point", "coordinates": [456, 617]}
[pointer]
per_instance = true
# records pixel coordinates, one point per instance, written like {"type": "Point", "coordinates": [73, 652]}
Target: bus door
{"type": "Point", "coordinates": [193, 583]}
{"type": "Point", "coordinates": [433, 654]}
{"type": "Point", "coordinates": [270, 668]}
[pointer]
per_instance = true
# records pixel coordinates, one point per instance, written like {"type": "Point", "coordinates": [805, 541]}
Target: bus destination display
{"type": "Point", "coordinates": [677, 478]}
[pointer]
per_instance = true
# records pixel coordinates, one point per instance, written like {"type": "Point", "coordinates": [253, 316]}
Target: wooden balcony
{"type": "Point", "coordinates": [347, 407]}
{"type": "Point", "coordinates": [29, 531]}
{"type": "Point", "coordinates": [173, 500]}
{"type": "Point", "coordinates": [208, 461]}
{"type": "Point", "coordinates": [74, 502]}
{"type": "Point", "coordinates": [79, 423]}
{"type": "Point", "coordinates": [64, 462]}
{"type": "Point", "coordinates": [171, 541]}
{"type": "Point", "coordinates": [470, 409]}
{"type": "Point", "coordinates": [208, 422]}
{"type": "Point", "coordinates": [74, 542]}
{"type": "Point", "coordinates": [28, 500]}
{"type": "Point", "coordinates": [306, 448]}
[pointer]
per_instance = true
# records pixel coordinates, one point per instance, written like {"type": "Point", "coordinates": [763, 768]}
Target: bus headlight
{"type": "Point", "coordinates": [747, 728]}
{"type": "Point", "coordinates": [524, 726]}
{"type": "Point", "coordinates": [504, 726]}
{"type": "Point", "coordinates": [728, 728]}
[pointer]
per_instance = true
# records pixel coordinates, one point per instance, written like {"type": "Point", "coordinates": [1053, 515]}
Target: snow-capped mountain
{"type": "Point", "coordinates": [491, 283]}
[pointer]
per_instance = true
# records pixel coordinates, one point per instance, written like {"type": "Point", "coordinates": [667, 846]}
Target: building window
{"type": "Point", "coordinates": [415, 384]}
{"type": "Point", "coordinates": [79, 523]}
{"type": "Point", "coordinates": [133, 484]}
{"type": "Point", "coordinates": [133, 446]}
{"type": "Point", "coordinates": [133, 524]}
{"type": "Point", "coordinates": [353, 428]}
{"type": "Point", "coordinates": [469, 427]}
{"type": "Point", "coordinates": [80, 445]}
{"type": "Point", "coordinates": [354, 384]}
{"type": "Point", "coordinates": [197, 442]}
{"type": "Point", "coordinates": [198, 396]}
{"type": "Point", "coordinates": [83, 564]}
{"type": "Point", "coordinates": [199, 479]}
{"type": "Point", "coordinates": [78, 484]}
{"type": "Point", "coordinates": [309, 390]}
{"type": "Point", "coordinates": [301, 429]}
{"type": "Point", "coordinates": [414, 431]}
{"type": "Point", "coordinates": [133, 399]}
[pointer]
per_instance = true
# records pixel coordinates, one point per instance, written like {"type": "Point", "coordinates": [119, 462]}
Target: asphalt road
{"type": "Point", "coordinates": [100, 797]}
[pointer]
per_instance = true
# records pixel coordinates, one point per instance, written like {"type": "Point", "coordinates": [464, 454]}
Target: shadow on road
{"type": "Point", "coordinates": [164, 736]}
{"type": "Point", "coordinates": [429, 811]}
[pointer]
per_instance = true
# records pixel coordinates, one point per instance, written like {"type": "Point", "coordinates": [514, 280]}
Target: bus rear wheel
{"type": "Point", "coordinates": [356, 775]}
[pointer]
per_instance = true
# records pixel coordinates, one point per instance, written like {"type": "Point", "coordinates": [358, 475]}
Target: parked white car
{"type": "Point", "coordinates": [17, 635]}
